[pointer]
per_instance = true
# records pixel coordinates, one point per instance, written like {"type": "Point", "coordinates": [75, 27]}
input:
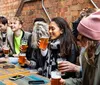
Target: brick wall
{"type": "Point", "coordinates": [68, 9]}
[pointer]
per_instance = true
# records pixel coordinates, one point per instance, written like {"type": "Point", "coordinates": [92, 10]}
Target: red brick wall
{"type": "Point", "coordinates": [97, 2]}
{"type": "Point", "coordinates": [68, 9]}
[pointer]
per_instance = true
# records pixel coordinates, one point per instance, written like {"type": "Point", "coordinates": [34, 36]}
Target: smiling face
{"type": "Point", "coordinates": [15, 25]}
{"type": "Point", "coordinates": [54, 30]}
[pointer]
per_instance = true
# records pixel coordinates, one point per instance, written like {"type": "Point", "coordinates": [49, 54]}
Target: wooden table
{"type": "Point", "coordinates": [5, 74]}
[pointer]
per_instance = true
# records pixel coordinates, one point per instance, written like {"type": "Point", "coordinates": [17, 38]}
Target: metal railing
{"type": "Point", "coordinates": [45, 10]}
{"type": "Point", "coordinates": [94, 4]}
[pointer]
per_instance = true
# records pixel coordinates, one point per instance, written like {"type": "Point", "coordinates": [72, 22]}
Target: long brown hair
{"type": "Point", "coordinates": [91, 50]}
{"type": "Point", "coordinates": [66, 39]}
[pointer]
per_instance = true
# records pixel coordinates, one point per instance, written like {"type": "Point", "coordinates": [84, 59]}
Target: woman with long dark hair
{"type": "Point", "coordinates": [62, 45]}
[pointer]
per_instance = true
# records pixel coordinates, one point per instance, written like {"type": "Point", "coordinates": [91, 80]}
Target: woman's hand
{"type": "Point", "coordinates": [62, 82]}
{"type": "Point", "coordinates": [66, 66]}
{"type": "Point", "coordinates": [43, 49]}
{"type": "Point", "coordinates": [43, 43]}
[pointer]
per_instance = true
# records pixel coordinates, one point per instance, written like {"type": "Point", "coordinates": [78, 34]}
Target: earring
{"type": "Point", "coordinates": [61, 32]}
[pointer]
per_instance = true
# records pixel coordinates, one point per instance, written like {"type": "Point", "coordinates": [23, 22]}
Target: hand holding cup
{"type": "Point", "coordinates": [67, 66]}
{"type": "Point", "coordinates": [24, 46]}
{"type": "Point", "coordinates": [22, 59]}
{"type": "Point", "coordinates": [6, 50]}
{"type": "Point", "coordinates": [43, 42]}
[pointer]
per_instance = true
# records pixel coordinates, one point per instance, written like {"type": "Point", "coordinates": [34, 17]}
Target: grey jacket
{"type": "Point", "coordinates": [10, 38]}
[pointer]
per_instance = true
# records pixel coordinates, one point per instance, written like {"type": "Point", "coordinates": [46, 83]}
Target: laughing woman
{"type": "Point", "coordinates": [62, 45]}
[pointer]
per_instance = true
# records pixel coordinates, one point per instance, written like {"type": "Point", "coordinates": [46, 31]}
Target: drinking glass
{"type": "Point", "coordinates": [55, 78]}
{"type": "Point", "coordinates": [6, 50]}
{"type": "Point", "coordinates": [59, 61]}
{"type": "Point", "coordinates": [24, 45]}
{"type": "Point", "coordinates": [22, 59]}
{"type": "Point", "coordinates": [44, 42]}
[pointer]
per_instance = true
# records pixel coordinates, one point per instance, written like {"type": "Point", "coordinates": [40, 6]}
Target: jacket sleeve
{"type": "Point", "coordinates": [73, 81]}
{"type": "Point", "coordinates": [37, 60]}
{"type": "Point", "coordinates": [33, 60]}
{"type": "Point", "coordinates": [31, 53]}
